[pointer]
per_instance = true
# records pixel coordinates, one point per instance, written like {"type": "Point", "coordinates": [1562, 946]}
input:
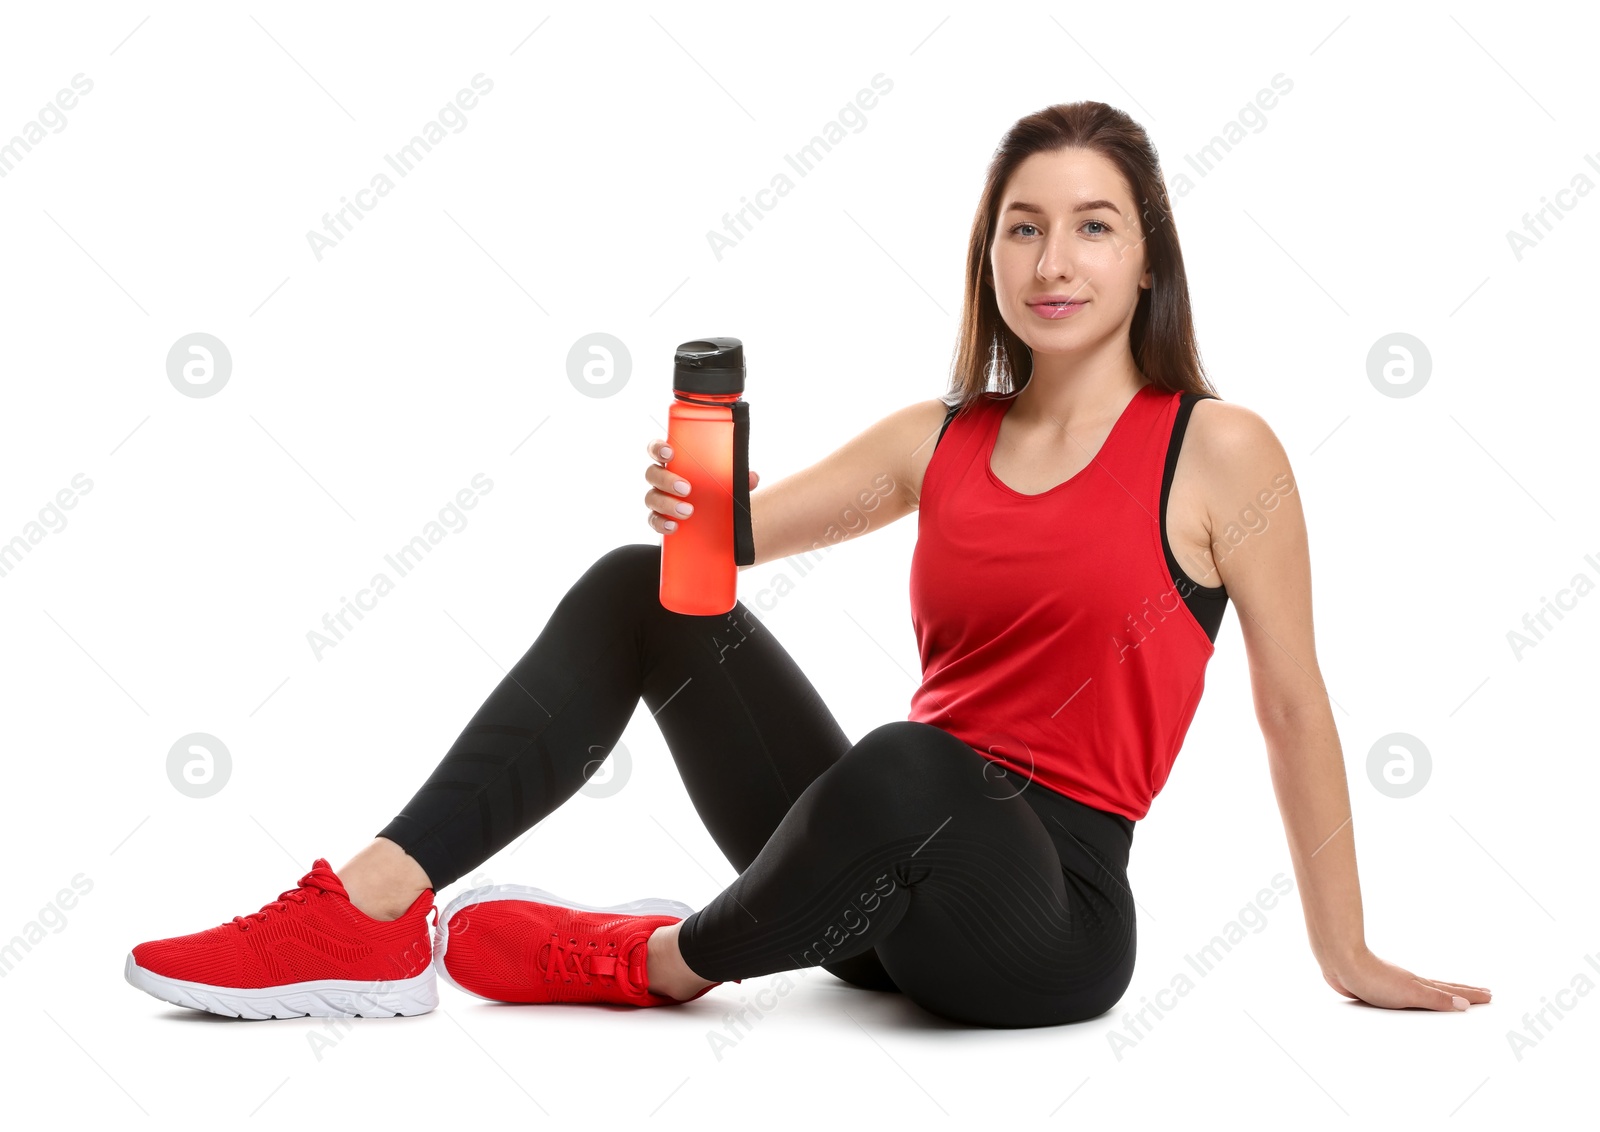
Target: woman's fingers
{"type": "Point", "coordinates": [669, 506]}
{"type": "Point", "coordinates": [1431, 997]}
{"type": "Point", "coordinates": [666, 498]}
{"type": "Point", "coordinates": [1470, 993]}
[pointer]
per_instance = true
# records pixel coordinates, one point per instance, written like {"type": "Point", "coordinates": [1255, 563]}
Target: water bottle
{"type": "Point", "coordinates": [708, 430]}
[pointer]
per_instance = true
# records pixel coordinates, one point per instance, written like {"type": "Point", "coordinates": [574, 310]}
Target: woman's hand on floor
{"type": "Point", "coordinates": [1369, 979]}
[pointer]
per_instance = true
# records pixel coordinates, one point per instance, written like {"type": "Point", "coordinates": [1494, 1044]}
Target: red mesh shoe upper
{"type": "Point", "coordinates": [530, 951]}
{"type": "Point", "coordinates": [310, 932]}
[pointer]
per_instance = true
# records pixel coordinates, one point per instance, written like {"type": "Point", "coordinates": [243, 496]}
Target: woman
{"type": "Point", "coordinates": [1071, 570]}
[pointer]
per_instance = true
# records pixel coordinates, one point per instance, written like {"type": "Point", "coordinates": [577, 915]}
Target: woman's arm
{"type": "Point", "coordinates": [1258, 538]}
{"type": "Point", "coordinates": [866, 484]}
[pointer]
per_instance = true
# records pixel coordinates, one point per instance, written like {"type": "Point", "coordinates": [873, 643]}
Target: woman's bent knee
{"type": "Point", "coordinates": [632, 560]}
{"type": "Point", "coordinates": [631, 570]}
{"type": "Point", "coordinates": [907, 751]}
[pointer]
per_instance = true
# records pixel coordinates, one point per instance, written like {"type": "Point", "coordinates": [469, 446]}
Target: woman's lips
{"type": "Point", "coordinates": [1057, 310]}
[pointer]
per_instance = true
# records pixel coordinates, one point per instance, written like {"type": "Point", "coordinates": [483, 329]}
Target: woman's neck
{"type": "Point", "coordinates": [1073, 394]}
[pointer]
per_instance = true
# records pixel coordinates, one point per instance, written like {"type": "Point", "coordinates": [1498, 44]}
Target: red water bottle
{"type": "Point", "coordinates": [708, 430]}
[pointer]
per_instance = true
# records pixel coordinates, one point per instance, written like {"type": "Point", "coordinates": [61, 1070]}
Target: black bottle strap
{"type": "Point", "coordinates": [744, 543]}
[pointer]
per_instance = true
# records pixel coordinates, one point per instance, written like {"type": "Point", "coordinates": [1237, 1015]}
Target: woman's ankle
{"type": "Point", "coordinates": [668, 973]}
{"type": "Point", "coordinates": [382, 880]}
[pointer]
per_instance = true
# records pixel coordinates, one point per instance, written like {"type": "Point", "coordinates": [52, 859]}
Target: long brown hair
{"type": "Point", "coordinates": [1161, 334]}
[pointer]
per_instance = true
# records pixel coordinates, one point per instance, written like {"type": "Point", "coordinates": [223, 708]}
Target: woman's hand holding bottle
{"type": "Point", "coordinates": [666, 498]}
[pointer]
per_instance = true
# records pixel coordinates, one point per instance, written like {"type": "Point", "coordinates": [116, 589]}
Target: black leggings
{"type": "Point", "coordinates": [906, 861]}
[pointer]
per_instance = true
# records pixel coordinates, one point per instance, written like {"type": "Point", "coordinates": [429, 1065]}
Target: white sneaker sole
{"type": "Point", "coordinates": [650, 906]}
{"type": "Point", "coordinates": [316, 998]}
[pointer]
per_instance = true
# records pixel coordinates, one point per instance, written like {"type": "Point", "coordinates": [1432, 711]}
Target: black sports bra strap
{"type": "Point", "coordinates": [948, 415]}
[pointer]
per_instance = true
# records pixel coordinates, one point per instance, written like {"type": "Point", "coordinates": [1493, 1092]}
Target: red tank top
{"type": "Point", "coordinates": [1054, 640]}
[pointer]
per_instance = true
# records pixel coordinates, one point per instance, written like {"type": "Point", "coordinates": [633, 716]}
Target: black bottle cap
{"type": "Point", "coordinates": [709, 365]}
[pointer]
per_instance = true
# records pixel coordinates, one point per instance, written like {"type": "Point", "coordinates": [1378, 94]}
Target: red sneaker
{"type": "Point", "coordinates": [512, 943]}
{"type": "Point", "coordinates": [310, 952]}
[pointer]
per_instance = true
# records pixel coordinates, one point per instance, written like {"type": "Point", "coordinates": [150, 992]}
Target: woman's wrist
{"type": "Point", "coordinates": [1340, 954]}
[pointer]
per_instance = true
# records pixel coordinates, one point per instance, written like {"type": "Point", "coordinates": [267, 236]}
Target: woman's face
{"type": "Point", "coordinates": [1067, 229]}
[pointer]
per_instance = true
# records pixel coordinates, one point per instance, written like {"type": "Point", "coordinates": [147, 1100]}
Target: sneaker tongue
{"type": "Point", "coordinates": [323, 876]}
{"type": "Point", "coordinates": [627, 966]}
{"type": "Point", "coordinates": [636, 956]}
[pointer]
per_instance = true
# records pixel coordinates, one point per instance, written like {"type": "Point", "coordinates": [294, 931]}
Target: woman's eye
{"type": "Point", "coordinates": [1103, 227]}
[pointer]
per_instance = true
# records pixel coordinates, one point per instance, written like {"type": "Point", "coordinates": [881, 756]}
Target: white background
{"type": "Point", "coordinates": [369, 387]}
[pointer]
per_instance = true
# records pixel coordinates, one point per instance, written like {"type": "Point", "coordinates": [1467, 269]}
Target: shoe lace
{"type": "Point", "coordinates": [298, 895]}
{"type": "Point", "coordinates": [571, 961]}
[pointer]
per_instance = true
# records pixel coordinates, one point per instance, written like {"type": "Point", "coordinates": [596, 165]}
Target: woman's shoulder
{"type": "Point", "coordinates": [1226, 424]}
{"type": "Point", "coordinates": [1233, 444]}
{"type": "Point", "coordinates": [919, 428]}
